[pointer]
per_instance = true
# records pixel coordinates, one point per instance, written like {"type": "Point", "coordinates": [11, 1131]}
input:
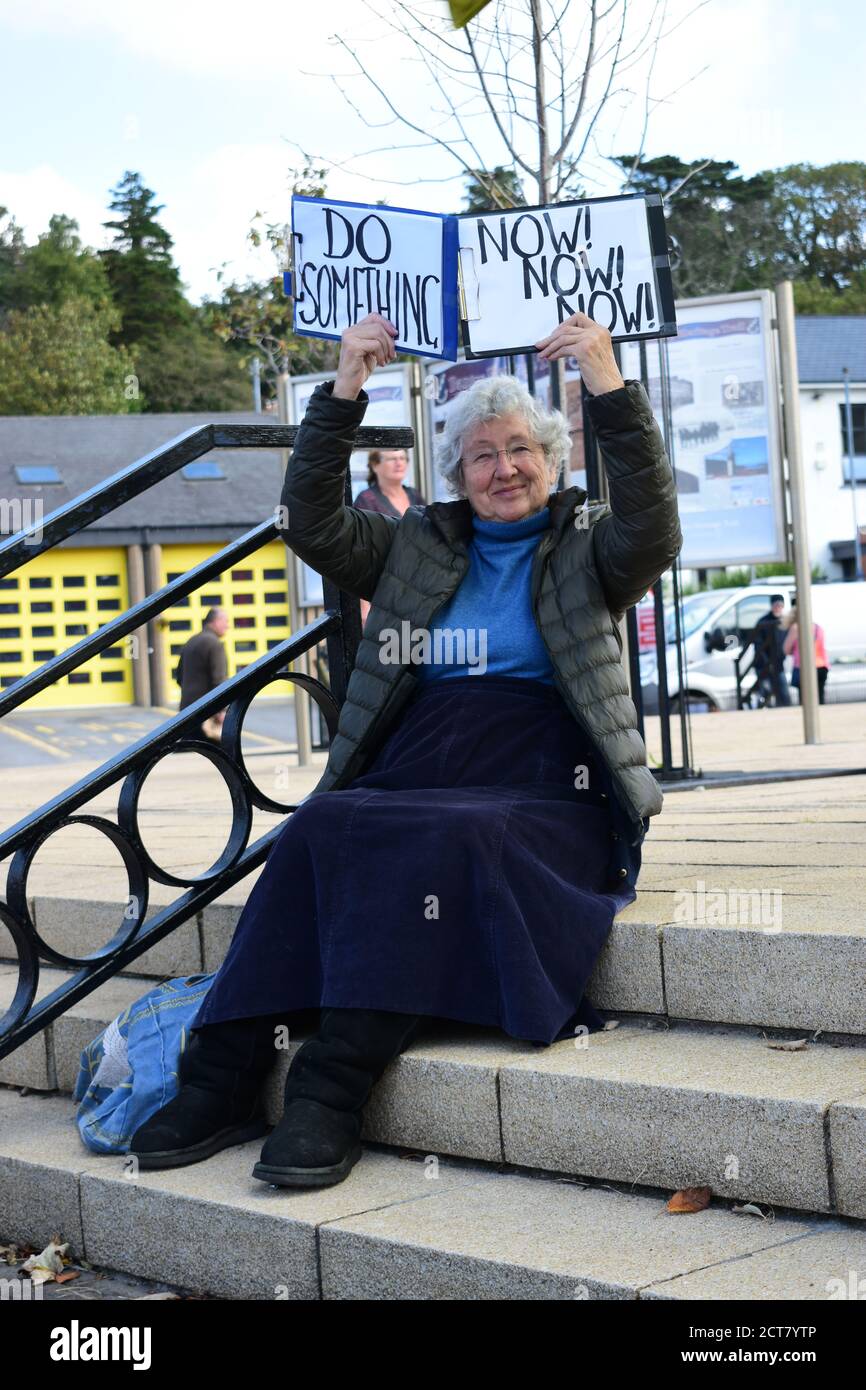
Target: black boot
{"type": "Point", "coordinates": [218, 1104]}
{"type": "Point", "coordinates": [317, 1142]}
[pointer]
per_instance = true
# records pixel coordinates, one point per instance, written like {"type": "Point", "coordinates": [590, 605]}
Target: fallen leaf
{"type": "Point", "coordinates": [796, 1045]}
{"type": "Point", "coordinates": [47, 1264]}
{"type": "Point", "coordinates": [690, 1199]}
{"type": "Point", "coordinates": [64, 1278]}
{"type": "Point", "coordinates": [142, 1297]}
{"type": "Point", "coordinates": [749, 1209]}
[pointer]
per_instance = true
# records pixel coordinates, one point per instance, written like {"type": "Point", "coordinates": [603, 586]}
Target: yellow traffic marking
{"type": "Point", "coordinates": [45, 728]}
{"type": "Point", "coordinates": [262, 738]}
{"type": "Point", "coordinates": [41, 743]}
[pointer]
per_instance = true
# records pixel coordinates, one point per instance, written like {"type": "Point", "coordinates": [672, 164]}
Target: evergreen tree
{"type": "Point", "coordinates": [144, 280]}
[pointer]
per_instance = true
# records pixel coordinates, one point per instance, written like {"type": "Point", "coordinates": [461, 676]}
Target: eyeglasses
{"type": "Point", "coordinates": [488, 458]}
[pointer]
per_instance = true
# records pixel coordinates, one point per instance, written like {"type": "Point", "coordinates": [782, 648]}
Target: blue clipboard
{"type": "Point", "coordinates": [294, 285]}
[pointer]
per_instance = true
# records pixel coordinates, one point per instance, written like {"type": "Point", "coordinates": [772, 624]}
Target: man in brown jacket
{"type": "Point", "coordinates": [202, 667]}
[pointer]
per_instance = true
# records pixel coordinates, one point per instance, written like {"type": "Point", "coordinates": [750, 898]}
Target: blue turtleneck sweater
{"type": "Point", "coordinates": [490, 614]}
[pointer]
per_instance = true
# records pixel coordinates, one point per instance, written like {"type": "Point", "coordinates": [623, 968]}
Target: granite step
{"type": "Point", "coordinates": [641, 1102]}
{"type": "Point", "coordinates": [404, 1225]}
{"type": "Point", "coordinates": [732, 945]}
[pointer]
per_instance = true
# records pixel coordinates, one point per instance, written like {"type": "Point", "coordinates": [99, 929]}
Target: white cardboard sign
{"type": "Point", "coordinates": [353, 259]}
{"type": "Point", "coordinates": [526, 270]}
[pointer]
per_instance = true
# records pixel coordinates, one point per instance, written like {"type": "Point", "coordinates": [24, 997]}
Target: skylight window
{"type": "Point", "coordinates": [202, 469]}
{"type": "Point", "coordinates": [37, 473]}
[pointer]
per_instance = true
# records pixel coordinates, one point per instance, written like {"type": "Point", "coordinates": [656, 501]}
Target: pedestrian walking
{"type": "Point", "coordinates": [202, 666]}
{"type": "Point", "coordinates": [792, 649]}
{"type": "Point", "coordinates": [769, 662]}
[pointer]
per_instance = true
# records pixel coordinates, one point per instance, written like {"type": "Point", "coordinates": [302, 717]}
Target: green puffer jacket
{"type": "Point", "coordinates": [588, 569]}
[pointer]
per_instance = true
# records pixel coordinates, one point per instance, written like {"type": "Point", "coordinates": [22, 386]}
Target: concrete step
{"type": "Point", "coordinates": [410, 1225]}
{"type": "Point", "coordinates": [641, 1102]}
{"type": "Point", "coordinates": [738, 945]}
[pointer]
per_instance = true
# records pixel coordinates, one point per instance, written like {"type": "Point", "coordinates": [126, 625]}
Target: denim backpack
{"type": "Point", "coordinates": [130, 1070]}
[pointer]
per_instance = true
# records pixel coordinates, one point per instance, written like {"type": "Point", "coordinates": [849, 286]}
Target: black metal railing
{"type": "Point", "coordinates": [339, 627]}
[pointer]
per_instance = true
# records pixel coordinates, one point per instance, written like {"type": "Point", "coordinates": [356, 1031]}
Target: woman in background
{"type": "Point", "coordinates": [792, 649]}
{"type": "Point", "coordinates": [386, 492]}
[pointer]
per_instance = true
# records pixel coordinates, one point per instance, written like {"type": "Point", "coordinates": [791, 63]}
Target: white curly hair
{"type": "Point", "coordinates": [485, 400]}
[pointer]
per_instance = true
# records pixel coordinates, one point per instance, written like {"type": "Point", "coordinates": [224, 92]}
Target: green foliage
{"type": "Point", "coordinates": [785, 567]}
{"type": "Point", "coordinates": [57, 268]}
{"type": "Point", "coordinates": [57, 360]}
{"type": "Point", "coordinates": [487, 189]}
{"type": "Point", "coordinates": [730, 579]}
{"type": "Point", "coordinates": [144, 280]}
{"type": "Point", "coordinates": [192, 370]}
{"type": "Point", "coordinates": [811, 297]}
{"type": "Point", "coordinates": [12, 250]}
{"type": "Point", "coordinates": [730, 233]}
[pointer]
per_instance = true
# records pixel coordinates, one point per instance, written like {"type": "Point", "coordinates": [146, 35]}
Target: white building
{"type": "Point", "coordinates": [825, 345]}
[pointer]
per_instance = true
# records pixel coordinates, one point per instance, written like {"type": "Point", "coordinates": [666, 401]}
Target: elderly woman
{"type": "Point", "coordinates": [487, 790]}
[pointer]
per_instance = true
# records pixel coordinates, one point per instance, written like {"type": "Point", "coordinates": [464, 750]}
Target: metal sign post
{"type": "Point", "coordinates": [793, 448]}
{"type": "Point", "coordinates": [301, 699]}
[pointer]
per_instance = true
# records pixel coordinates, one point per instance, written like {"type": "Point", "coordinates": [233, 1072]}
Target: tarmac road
{"type": "Point", "coordinates": [95, 734]}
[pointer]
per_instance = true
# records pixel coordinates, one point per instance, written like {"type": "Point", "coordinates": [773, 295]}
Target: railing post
{"type": "Point", "coordinates": [301, 704]}
{"type": "Point", "coordinates": [342, 645]}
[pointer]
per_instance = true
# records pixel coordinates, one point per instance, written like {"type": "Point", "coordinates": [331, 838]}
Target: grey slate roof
{"type": "Point", "coordinates": [87, 449]}
{"type": "Point", "coordinates": [828, 342]}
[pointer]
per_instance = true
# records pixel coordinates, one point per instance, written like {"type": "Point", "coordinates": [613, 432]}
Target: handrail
{"type": "Point", "coordinates": [339, 625]}
{"type": "Point", "coordinates": [73, 516]}
{"type": "Point", "coordinates": [180, 724]}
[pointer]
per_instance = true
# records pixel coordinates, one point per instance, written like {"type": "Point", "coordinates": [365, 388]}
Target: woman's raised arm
{"type": "Point", "coordinates": [346, 545]}
{"type": "Point", "coordinates": [641, 537]}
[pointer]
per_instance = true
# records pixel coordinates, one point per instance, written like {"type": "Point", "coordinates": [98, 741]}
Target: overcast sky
{"type": "Point", "coordinates": [211, 101]}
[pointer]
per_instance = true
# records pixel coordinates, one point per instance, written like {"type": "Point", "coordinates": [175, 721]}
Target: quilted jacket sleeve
{"type": "Point", "coordinates": [346, 545]}
{"type": "Point", "coordinates": [640, 537]}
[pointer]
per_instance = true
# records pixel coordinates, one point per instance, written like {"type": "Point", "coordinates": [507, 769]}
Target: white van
{"type": "Point", "coordinates": [718, 624]}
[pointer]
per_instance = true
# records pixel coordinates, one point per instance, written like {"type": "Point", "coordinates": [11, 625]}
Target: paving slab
{"type": "Point", "coordinates": [681, 1108]}
{"type": "Point", "coordinates": [790, 979]}
{"type": "Point", "coordinates": [513, 1237]}
{"type": "Point", "coordinates": [847, 1143]}
{"type": "Point", "coordinates": [823, 1265]}
{"type": "Point", "coordinates": [41, 1157]}
{"type": "Point", "coordinates": [213, 1226]}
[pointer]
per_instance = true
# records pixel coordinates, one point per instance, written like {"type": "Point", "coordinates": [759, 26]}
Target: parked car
{"type": "Point", "coordinates": [718, 625]}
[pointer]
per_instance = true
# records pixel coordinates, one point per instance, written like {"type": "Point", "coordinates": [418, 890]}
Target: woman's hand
{"type": "Point", "coordinates": [583, 338]}
{"type": "Point", "coordinates": [366, 345]}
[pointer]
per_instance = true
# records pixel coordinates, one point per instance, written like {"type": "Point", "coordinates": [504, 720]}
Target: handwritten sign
{"type": "Point", "coordinates": [353, 259]}
{"type": "Point", "coordinates": [525, 270]}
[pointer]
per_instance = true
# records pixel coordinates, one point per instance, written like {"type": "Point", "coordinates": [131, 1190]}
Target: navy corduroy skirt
{"type": "Point", "coordinates": [464, 875]}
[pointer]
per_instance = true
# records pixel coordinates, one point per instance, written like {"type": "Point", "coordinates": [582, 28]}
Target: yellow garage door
{"type": "Point", "coordinates": [47, 605]}
{"type": "Point", "coordinates": [254, 593]}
